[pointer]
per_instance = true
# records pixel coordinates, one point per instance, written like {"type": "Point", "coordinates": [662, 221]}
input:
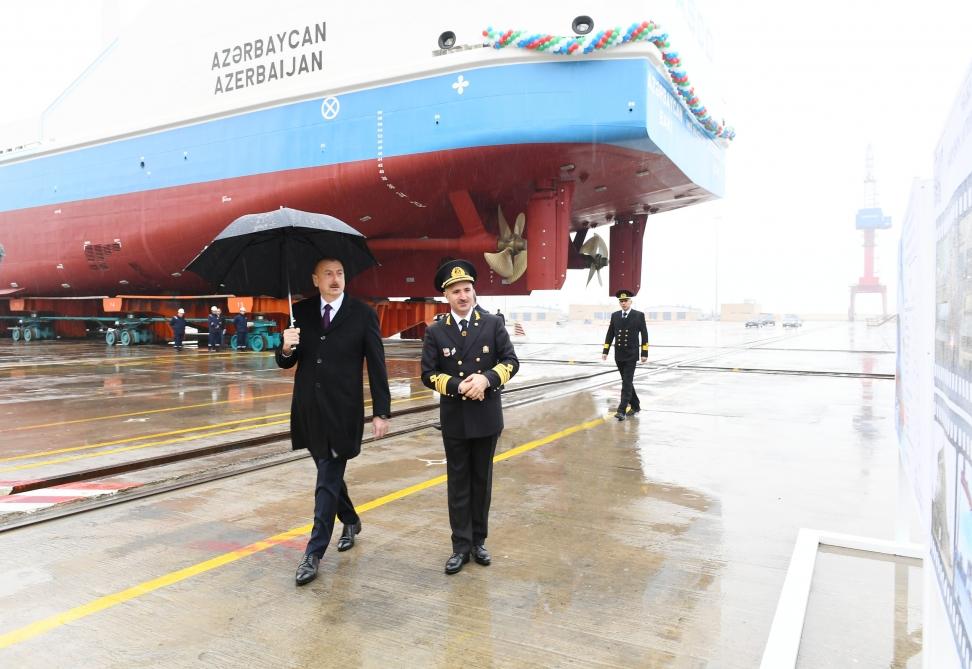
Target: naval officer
{"type": "Point", "coordinates": [467, 357]}
{"type": "Point", "coordinates": [627, 325]}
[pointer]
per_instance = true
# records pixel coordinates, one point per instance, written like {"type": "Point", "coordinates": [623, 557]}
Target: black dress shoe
{"type": "Point", "coordinates": [454, 563]}
{"type": "Point", "coordinates": [635, 412]}
{"type": "Point", "coordinates": [619, 416]}
{"type": "Point", "coordinates": [307, 569]}
{"type": "Point", "coordinates": [346, 541]}
{"type": "Point", "coordinates": [481, 555]}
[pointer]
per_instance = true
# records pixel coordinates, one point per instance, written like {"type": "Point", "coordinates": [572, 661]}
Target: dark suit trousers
{"type": "Point", "coordinates": [469, 469]}
{"type": "Point", "coordinates": [628, 394]}
{"type": "Point", "coordinates": [330, 497]}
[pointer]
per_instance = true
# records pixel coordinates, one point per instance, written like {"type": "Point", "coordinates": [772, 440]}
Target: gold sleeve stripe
{"type": "Point", "coordinates": [504, 372]}
{"type": "Point", "coordinates": [441, 381]}
{"type": "Point", "coordinates": [607, 346]}
{"type": "Point", "coordinates": [644, 347]}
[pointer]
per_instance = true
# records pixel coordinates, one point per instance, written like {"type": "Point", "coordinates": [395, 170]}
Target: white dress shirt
{"type": "Point", "coordinates": [335, 305]}
{"type": "Point", "coordinates": [456, 318]}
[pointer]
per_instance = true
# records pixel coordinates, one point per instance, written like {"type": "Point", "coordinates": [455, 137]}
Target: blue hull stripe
{"type": "Point", "coordinates": [507, 104]}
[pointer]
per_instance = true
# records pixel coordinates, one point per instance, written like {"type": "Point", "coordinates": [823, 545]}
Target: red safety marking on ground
{"type": "Point", "coordinates": [93, 485]}
{"type": "Point", "coordinates": [12, 483]}
{"type": "Point", "coordinates": [34, 500]}
{"type": "Point", "coordinates": [37, 499]}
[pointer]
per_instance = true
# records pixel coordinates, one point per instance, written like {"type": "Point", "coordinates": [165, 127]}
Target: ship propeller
{"type": "Point", "coordinates": [595, 254]}
{"type": "Point", "coordinates": [510, 259]}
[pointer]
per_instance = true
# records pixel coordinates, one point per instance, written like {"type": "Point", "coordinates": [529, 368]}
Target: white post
{"type": "Point", "coordinates": [902, 515]}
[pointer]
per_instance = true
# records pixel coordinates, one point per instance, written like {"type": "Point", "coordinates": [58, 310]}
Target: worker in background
{"type": "Point", "coordinates": [239, 321]}
{"type": "Point", "coordinates": [215, 324]}
{"type": "Point", "coordinates": [178, 324]}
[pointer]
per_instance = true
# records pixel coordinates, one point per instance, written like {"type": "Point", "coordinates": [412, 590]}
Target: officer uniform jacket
{"type": "Point", "coordinates": [447, 358]}
{"type": "Point", "coordinates": [627, 330]}
{"type": "Point", "coordinates": [327, 410]}
{"type": "Point", "coordinates": [178, 324]}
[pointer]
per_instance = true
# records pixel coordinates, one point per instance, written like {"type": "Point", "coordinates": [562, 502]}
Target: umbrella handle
{"type": "Point", "coordinates": [290, 303]}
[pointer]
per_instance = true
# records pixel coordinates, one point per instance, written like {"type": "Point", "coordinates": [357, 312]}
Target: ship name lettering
{"type": "Point", "coordinates": [296, 38]}
{"type": "Point", "coordinates": [276, 69]}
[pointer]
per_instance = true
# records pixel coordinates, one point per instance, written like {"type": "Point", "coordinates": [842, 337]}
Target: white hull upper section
{"type": "Point", "coordinates": [189, 61]}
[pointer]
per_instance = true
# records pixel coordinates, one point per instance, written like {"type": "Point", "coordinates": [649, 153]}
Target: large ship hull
{"type": "Point", "coordinates": [125, 216]}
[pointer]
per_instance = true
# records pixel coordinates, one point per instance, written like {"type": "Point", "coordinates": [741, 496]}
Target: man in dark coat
{"type": "Point", "coordinates": [336, 334]}
{"type": "Point", "coordinates": [467, 357]}
{"type": "Point", "coordinates": [178, 324]}
{"type": "Point", "coordinates": [239, 322]}
{"type": "Point", "coordinates": [215, 323]}
{"type": "Point", "coordinates": [627, 325]}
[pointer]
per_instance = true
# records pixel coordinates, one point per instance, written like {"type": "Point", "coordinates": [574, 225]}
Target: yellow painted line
{"type": "Point", "coordinates": [143, 437]}
{"type": "Point", "coordinates": [102, 603]}
{"type": "Point", "coordinates": [122, 362]}
{"type": "Point", "coordinates": [47, 624]}
{"type": "Point", "coordinates": [132, 362]}
{"type": "Point", "coordinates": [549, 438]}
{"type": "Point", "coordinates": [169, 409]}
{"type": "Point", "coordinates": [145, 412]}
{"type": "Point", "coordinates": [200, 433]}
{"type": "Point", "coordinates": [84, 456]}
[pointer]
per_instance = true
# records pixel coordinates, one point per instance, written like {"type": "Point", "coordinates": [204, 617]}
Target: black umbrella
{"type": "Point", "coordinates": [275, 252]}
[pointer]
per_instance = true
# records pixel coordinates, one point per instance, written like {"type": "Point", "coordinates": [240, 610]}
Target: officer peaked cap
{"type": "Point", "coordinates": [624, 294]}
{"type": "Point", "coordinates": [454, 271]}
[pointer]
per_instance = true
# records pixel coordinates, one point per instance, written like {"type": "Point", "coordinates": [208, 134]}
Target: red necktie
{"type": "Point", "coordinates": [326, 318]}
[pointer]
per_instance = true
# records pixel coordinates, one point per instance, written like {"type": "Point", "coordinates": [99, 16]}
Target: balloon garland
{"type": "Point", "coordinates": [614, 37]}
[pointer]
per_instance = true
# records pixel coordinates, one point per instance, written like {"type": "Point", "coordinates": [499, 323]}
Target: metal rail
{"type": "Point", "coordinates": [150, 489]}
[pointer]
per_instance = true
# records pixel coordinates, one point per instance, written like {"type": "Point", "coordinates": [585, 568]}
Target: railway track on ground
{"type": "Point", "coordinates": [513, 397]}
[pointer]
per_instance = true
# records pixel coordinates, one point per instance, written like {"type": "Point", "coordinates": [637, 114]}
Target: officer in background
{"type": "Point", "coordinates": [178, 324]}
{"type": "Point", "coordinates": [627, 325]}
{"type": "Point", "coordinates": [239, 321]}
{"type": "Point", "coordinates": [467, 357]}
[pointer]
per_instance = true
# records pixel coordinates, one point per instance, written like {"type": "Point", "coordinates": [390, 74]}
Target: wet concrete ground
{"type": "Point", "coordinates": [658, 542]}
{"type": "Point", "coordinates": [68, 406]}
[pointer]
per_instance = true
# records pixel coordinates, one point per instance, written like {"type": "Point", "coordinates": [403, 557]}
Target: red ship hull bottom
{"type": "Point", "coordinates": [139, 243]}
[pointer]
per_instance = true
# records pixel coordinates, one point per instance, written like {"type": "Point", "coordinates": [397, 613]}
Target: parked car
{"type": "Point", "coordinates": [791, 321]}
{"type": "Point", "coordinates": [753, 323]}
{"type": "Point", "coordinates": [766, 319]}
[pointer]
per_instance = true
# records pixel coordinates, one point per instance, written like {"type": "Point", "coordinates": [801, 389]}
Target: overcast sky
{"type": "Point", "coordinates": [808, 86]}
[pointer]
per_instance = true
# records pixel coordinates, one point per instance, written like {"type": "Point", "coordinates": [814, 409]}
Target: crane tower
{"type": "Point", "coordinates": [870, 218]}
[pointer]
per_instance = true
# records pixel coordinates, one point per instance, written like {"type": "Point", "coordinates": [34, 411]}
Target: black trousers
{"type": "Point", "coordinates": [469, 469]}
{"type": "Point", "coordinates": [330, 497]}
{"type": "Point", "coordinates": [178, 336]}
{"type": "Point", "coordinates": [628, 394]}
